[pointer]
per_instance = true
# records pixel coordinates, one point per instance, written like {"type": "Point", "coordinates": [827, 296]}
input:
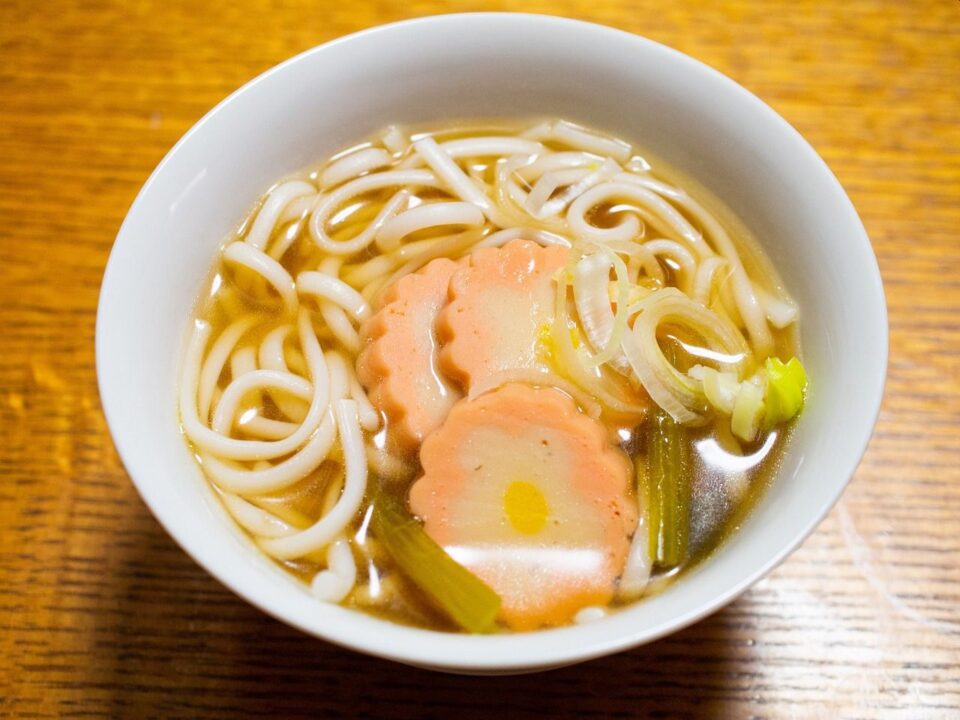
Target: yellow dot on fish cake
{"type": "Point", "coordinates": [526, 507]}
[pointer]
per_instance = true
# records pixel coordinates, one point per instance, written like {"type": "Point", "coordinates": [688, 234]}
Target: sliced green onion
{"type": "Point", "coordinates": [786, 385]}
{"type": "Point", "coordinates": [465, 598]}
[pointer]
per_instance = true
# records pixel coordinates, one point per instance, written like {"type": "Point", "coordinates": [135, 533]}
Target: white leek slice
{"type": "Point", "coordinates": [721, 388]}
{"type": "Point", "coordinates": [747, 411]}
{"type": "Point", "coordinates": [677, 393]}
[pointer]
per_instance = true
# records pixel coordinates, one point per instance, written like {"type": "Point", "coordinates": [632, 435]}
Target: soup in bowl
{"type": "Point", "coordinates": [516, 354]}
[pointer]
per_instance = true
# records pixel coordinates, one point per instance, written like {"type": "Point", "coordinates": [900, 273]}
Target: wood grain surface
{"type": "Point", "coordinates": [102, 615]}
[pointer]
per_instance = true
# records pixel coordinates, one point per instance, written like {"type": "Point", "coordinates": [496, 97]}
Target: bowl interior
{"type": "Point", "coordinates": [481, 66]}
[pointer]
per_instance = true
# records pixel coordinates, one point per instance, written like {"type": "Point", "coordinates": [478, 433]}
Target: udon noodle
{"type": "Point", "coordinates": [658, 332]}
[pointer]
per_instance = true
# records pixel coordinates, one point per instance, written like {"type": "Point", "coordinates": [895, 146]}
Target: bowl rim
{"type": "Point", "coordinates": [490, 652]}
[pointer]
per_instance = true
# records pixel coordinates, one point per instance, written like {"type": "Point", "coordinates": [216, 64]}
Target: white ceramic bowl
{"type": "Point", "coordinates": [491, 65]}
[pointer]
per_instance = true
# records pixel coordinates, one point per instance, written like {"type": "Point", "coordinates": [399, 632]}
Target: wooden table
{"type": "Point", "coordinates": [101, 614]}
